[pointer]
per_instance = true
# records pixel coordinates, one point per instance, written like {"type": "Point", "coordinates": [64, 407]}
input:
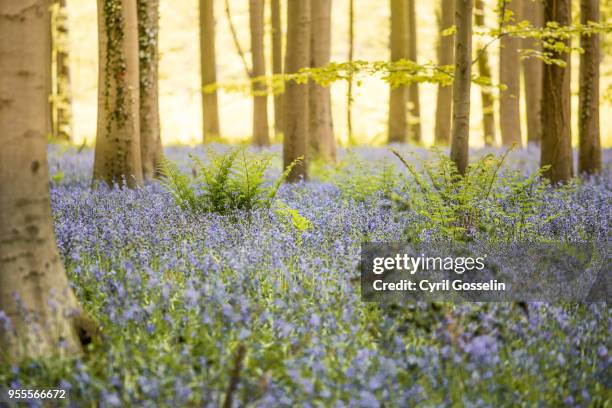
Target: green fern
{"type": "Point", "coordinates": [483, 199]}
{"type": "Point", "coordinates": [359, 180]}
{"type": "Point", "coordinates": [178, 183]}
{"type": "Point", "coordinates": [234, 180]}
{"type": "Point", "coordinates": [214, 180]}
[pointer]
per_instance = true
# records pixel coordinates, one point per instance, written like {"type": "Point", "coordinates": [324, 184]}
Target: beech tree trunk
{"type": "Point", "coordinates": [349, 88]}
{"type": "Point", "coordinates": [321, 129]}
{"type": "Point", "coordinates": [277, 61]}
{"type": "Point", "coordinates": [208, 67]}
{"type": "Point", "coordinates": [589, 158]}
{"type": "Point", "coordinates": [532, 73]}
{"type": "Point", "coordinates": [397, 95]}
{"type": "Point", "coordinates": [509, 75]}
{"type": "Point", "coordinates": [260, 95]}
{"type": "Point", "coordinates": [484, 69]}
{"type": "Point", "coordinates": [414, 109]}
{"type": "Point", "coordinates": [295, 108]}
{"type": "Point", "coordinates": [461, 85]}
{"type": "Point", "coordinates": [61, 92]}
{"type": "Point", "coordinates": [556, 150]}
{"type": "Point", "coordinates": [150, 137]}
{"type": "Point", "coordinates": [43, 320]}
{"type": "Point", "coordinates": [446, 56]}
{"type": "Point", "coordinates": [117, 154]}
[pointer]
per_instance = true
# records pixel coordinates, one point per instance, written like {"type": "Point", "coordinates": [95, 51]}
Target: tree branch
{"type": "Point", "coordinates": [228, 14]}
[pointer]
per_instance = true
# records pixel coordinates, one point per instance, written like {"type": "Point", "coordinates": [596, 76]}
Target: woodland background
{"type": "Point", "coordinates": [179, 71]}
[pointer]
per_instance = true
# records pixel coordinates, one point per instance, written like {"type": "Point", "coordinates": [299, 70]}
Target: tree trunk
{"type": "Point", "coordinates": [556, 150]}
{"type": "Point", "coordinates": [484, 69]}
{"type": "Point", "coordinates": [414, 109]}
{"type": "Point", "coordinates": [208, 67]}
{"type": "Point", "coordinates": [509, 75]}
{"type": "Point", "coordinates": [277, 62]}
{"type": "Point", "coordinates": [295, 107]}
{"type": "Point", "coordinates": [589, 158]}
{"type": "Point", "coordinates": [34, 290]}
{"type": "Point", "coordinates": [260, 91]}
{"type": "Point", "coordinates": [349, 87]}
{"type": "Point", "coordinates": [61, 92]}
{"type": "Point", "coordinates": [321, 129]}
{"type": "Point", "coordinates": [397, 95]}
{"type": "Point", "coordinates": [150, 138]}
{"type": "Point", "coordinates": [117, 153]}
{"type": "Point", "coordinates": [445, 57]}
{"type": "Point", "coordinates": [461, 85]}
{"type": "Point", "coordinates": [532, 73]}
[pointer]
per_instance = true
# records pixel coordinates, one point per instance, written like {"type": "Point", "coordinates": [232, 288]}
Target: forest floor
{"type": "Point", "coordinates": [182, 297]}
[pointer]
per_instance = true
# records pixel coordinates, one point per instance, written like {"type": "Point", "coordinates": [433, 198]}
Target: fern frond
{"type": "Point", "coordinates": [273, 190]}
{"type": "Point", "coordinates": [177, 183]}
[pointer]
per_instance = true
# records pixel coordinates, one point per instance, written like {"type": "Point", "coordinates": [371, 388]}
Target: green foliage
{"type": "Point", "coordinates": [234, 180]}
{"type": "Point", "coordinates": [453, 206]}
{"type": "Point", "coordinates": [553, 37]}
{"type": "Point", "coordinates": [293, 219]}
{"type": "Point", "coordinates": [58, 177]}
{"type": "Point", "coordinates": [179, 184]}
{"type": "Point", "coordinates": [359, 180]}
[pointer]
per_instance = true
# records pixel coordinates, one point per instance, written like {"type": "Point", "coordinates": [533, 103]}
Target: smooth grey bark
{"type": "Point", "coordinates": [484, 69]}
{"type": "Point", "coordinates": [510, 77]}
{"type": "Point", "coordinates": [556, 149]}
{"type": "Point", "coordinates": [321, 128]}
{"type": "Point", "coordinates": [34, 291]}
{"type": "Point", "coordinates": [460, 139]}
{"type": "Point", "coordinates": [532, 73]}
{"type": "Point", "coordinates": [349, 88]}
{"type": "Point", "coordinates": [414, 110]}
{"type": "Point", "coordinates": [397, 95]}
{"type": "Point", "coordinates": [589, 157]}
{"type": "Point", "coordinates": [277, 61]}
{"type": "Point", "coordinates": [295, 108]}
{"type": "Point", "coordinates": [442, 131]}
{"type": "Point", "coordinates": [261, 135]}
{"type": "Point", "coordinates": [208, 69]}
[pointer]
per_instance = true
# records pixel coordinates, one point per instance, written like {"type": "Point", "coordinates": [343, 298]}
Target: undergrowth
{"type": "Point", "coordinates": [503, 204]}
{"type": "Point", "coordinates": [234, 180]}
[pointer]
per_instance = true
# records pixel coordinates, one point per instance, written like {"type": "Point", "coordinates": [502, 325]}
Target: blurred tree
{"type": "Point", "coordinates": [509, 76]}
{"type": "Point", "coordinates": [150, 137]}
{"type": "Point", "coordinates": [61, 97]}
{"type": "Point", "coordinates": [349, 88]}
{"type": "Point", "coordinates": [462, 82]}
{"type": "Point", "coordinates": [277, 62]}
{"type": "Point", "coordinates": [589, 158]}
{"type": "Point", "coordinates": [34, 290]}
{"type": "Point", "coordinates": [484, 70]}
{"type": "Point", "coordinates": [556, 150]}
{"type": "Point", "coordinates": [295, 101]}
{"type": "Point", "coordinates": [208, 67]}
{"type": "Point", "coordinates": [117, 153]}
{"type": "Point", "coordinates": [532, 73]}
{"type": "Point", "coordinates": [446, 20]}
{"type": "Point", "coordinates": [397, 95]}
{"type": "Point", "coordinates": [260, 96]}
{"type": "Point", "coordinates": [321, 129]}
{"type": "Point", "coordinates": [414, 122]}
